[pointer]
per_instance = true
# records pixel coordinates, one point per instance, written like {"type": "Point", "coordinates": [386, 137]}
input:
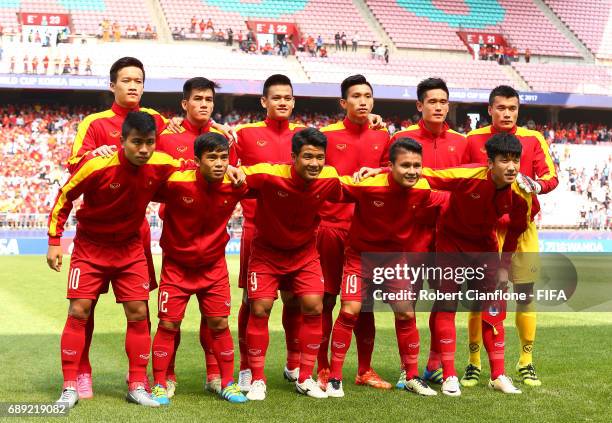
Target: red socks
{"type": "Point", "coordinates": [310, 342]}
{"type": "Point", "coordinates": [408, 345]}
{"type": "Point", "coordinates": [493, 340]}
{"type": "Point", "coordinates": [84, 364]}
{"type": "Point", "coordinates": [206, 341]}
{"type": "Point", "coordinates": [364, 336]}
{"type": "Point", "coordinates": [163, 353]}
{"type": "Point", "coordinates": [258, 338]}
{"type": "Point", "coordinates": [327, 322]}
{"type": "Point", "coordinates": [340, 342]}
{"type": "Point", "coordinates": [223, 347]}
{"type": "Point", "coordinates": [447, 338]}
{"type": "Point", "coordinates": [72, 345]}
{"type": "Point", "coordinates": [243, 319]}
{"type": "Point", "coordinates": [138, 347]}
{"type": "Point", "coordinates": [170, 372]}
{"type": "Point", "coordinates": [292, 318]}
{"type": "Point", "coordinates": [433, 363]}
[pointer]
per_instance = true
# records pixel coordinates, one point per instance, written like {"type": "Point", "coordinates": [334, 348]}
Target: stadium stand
{"type": "Point", "coordinates": [433, 25]}
{"type": "Point", "coordinates": [314, 17]}
{"type": "Point", "coordinates": [589, 20]}
{"type": "Point", "coordinates": [566, 78]}
{"type": "Point", "coordinates": [86, 15]}
{"type": "Point", "coordinates": [405, 70]}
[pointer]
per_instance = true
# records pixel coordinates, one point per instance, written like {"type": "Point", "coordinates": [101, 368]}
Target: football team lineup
{"type": "Point", "coordinates": [315, 204]}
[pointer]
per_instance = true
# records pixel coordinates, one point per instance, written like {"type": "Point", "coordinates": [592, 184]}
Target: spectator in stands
{"type": "Point", "coordinates": [194, 22]}
{"type": "Point", "coordinates": [105, 30]}
{"type": "Point", "coordinates": [26, 61]}
{"type": "Point", "coordinates": [319, 43]}
{"type": "Point", "coordinates": [209, 24]}
{"type": "Point", "coordinates": [12, 68]}
{"type": "Point", "coordinates": [283, 47]}
{"type": "Point", "coordinates": [514, 54]}
{"type": "Point", "coordinates": [67, 67]}
{"type": "Point", "coordinates": [116, 32]}
{"type": "Point", "coordinates": [35, 65]}
{"type": "Point", "coordinates": [45, 64]}
{"type": "Point", "coordinates": [267, 48]}
{"type": "Point", "coordinates": [355, 41]}
{"type": "Point", "coordinates": [323, 51]}
{"type": "Point", "coordinates": [202, 26]}
{"type": "Point", "coordinates": [386, 54]}
{"type": "Point", "coordinates": [482, 52]}
{"type": "Point", "coordinates": [310, 46]}
{"type": "Point", "coordinates": [527, 55]}
{"type": "Point", "coordinates": [88, 67]}
{"type": "Point", "coordinates": [220, 36]}
{"type": "Point", "coordinates": [373, 50]}
{"type": "Point", "coordinates": [380, 52]}
{"type": "Point", "coordinates": [337, 40]}
{"type": "Point", "coordinates": [230, 37]}
{"type": "Point", "coordinates": [77, 64]}
{"type": "Point", "coordinates": [343, 39]}
{"type": "Point", "coordinates": [57, 61]}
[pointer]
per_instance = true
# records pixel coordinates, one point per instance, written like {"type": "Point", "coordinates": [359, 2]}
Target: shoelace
{"type": "Point", "coordinates": [530, 370]}
{"type": "Point", "coordinates": [66, 395]}
{"type": "Point", "coordinates": [506, 379]}
{"type": "Point", "coordinates": [421, 383]}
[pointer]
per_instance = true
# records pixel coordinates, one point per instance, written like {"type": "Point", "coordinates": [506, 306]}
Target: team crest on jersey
{"type": "Point", "coordinates": [451, 148]}
{"type": "Point", "coordinates": [181, 148]}
{"type": "Point", "coordinates": [375, 146]}
{"type": "Point", "coordinates": [115, 185]}
{"type": "Point", "coordinates": [378, 203]}
{"type": "Point", "coordinates": [262, 143]}
{"type": "Point", "coordinates": [475, 195]}
{"type": "Point", "coordinates": [114, 134]}
{"type": "Point", "coordinates": [282, 194]}
{"type": "Point", "coordinates": [188, 200]}
{"type": "Point", "coordinates": [341, 147]}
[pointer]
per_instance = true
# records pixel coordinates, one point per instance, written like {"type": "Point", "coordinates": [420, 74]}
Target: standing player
{"type": "Point", "coordinates": [537, 166]}
{"type": "Point", "coordinates": [384, 221]}
{"type": "Point", "coordinates": [267, 141]}
{"type": "Point", "coordinates": [352, 144]}
{"type": "Point", "coordinates": [199, 204]}
{"type": "Point", "coordinates": [442, 148]}
{"type": "Point", "coordinates": [479, 197]}
{"type": "Point", "coordinates": [198, 104]}
{"type": "Point", "coordinates": [289, 198]}
{"type": "Point", "coordinates": [108, 247]}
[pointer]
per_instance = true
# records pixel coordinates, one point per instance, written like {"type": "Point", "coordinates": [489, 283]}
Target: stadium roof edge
{"type": "Point", "coordinates": [322, 90]}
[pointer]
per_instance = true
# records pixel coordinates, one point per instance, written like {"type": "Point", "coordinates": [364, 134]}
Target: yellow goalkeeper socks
{"type": "Point", "coordinates": [526, 328]}
{"type": "Point", "coordinates": [475, 337]}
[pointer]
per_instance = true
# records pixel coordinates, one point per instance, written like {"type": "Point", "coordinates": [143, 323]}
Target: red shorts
{"type": "Point", "coordinates": [296, 271]}
{"type": "Point", "coordinates": [358, 282]}
{"type": "Point", "coordinates": [331, 243]}
{"type": "Point", "coordinates": [248, 232]}
{"type": "Point", "coordinates": [94, 265]}
{"type": "Point", "coordinates": [210, 284]}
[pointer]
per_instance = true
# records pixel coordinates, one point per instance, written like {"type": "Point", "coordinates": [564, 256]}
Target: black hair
{"type": "Point", "coordinates": [276, 79]}
{"type": "Point", "coordinates": [210, 141]}
{"type": "Point", "coordinates": [353, 80]}
{"type": "Point", "coordinates": [502, 91]}
{"type": "Point", "coordinates": [431, 84]}
{"type": "Point", "coordinates": [308, 136]}
{"type": "Point", "coordinates": [125, 62]}
{"type": "Point", "coordinates": [407, 144]}
{"type": "Point", "coordinates": [141, 122]}
{"type": "Point", "coordinates": [504, 144]}
{"type": "Point", "coordinates": [198, 83]}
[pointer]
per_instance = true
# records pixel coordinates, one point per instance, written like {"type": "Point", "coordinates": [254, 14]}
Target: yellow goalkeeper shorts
{"type": "Point", "coordinates": [526, 261]}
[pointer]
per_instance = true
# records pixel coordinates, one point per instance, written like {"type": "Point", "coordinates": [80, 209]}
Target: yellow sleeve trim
{"type": "Point", "coordinates": [82, 131]}
{"type": "Point", "coordinates": [183, 176]}
{"type": "Point", "coordinates": [333, 127]}
{"type": "Point", "coordinates": [457, 173]}
{"type": "Point", "coordinates": [480, 131]}
{"type": "Point", "coordinates": [259, 124]}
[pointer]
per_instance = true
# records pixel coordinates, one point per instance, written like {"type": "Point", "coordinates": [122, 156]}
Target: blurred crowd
{"type": "Point", "coordinates": [35, 143]}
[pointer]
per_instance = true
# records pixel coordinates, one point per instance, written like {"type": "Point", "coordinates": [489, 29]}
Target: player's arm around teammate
{"type": "Point", "coordinates": [108, 248]}
{"type": "Point", "coordinates": [199, 203]}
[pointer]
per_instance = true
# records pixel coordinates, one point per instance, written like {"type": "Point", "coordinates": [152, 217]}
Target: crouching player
{"type": "Point", "coordinates": [108, 247]}
{"type": "Point", "coordinates": [386, 207]}
{"type": "Point", "coordinates": [199, 204]}
{"type": "Point", "coordinates": [479, 197]}
{"type": "Point", "coordinates": [283, 251]}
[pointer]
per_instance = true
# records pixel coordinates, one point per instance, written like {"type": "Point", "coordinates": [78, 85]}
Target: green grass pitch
{"type": "Point", "coordinates": [572, 354]}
